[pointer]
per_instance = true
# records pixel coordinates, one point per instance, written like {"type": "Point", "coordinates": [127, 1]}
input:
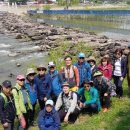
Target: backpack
{"type": "Point", "coordinates": [5, 99]}
{"type": "Point", "coordinates": [71, 97]}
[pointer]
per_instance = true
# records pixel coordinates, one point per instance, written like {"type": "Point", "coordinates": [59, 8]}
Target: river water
{"type": "Point", "coordinates": [116, 26]}
{"type": "Point", "coordinates": [8, 65]}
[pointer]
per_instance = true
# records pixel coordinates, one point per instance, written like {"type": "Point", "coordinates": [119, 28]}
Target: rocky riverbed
{"type": "Point", "coordinates": [45, 37]}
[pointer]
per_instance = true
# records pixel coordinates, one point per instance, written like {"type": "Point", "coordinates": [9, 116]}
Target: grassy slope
{"type": "Point", "coordinates": [118, 116]}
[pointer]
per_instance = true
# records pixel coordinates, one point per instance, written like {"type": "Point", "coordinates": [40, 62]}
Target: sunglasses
{"type": "Point", "coordinates": [41, 69]}
{"type": "Point", "coordinates": [81, 57]}
{"type": "Point", "coordinates": [86, 86]}
{"type": "Point", "coordinates": [31, 74]}
{"type": "Point", "coordinates": [22, 80]}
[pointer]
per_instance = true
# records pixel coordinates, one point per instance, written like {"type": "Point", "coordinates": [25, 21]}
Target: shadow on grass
{"type": "Point", "coordinates": [123, 120]}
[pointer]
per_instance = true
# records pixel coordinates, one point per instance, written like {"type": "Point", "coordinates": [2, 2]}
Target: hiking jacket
{"type": "Point", "coordinates": [43, 86]}
{"type": "Point", "coordinates": [84, 71]}
{"type": "Point", "coordinates": [104, 86]}
{"type": "Point", "coordinates": [93, 94]}
{"type": "Point", "coordinates": [7, 109]}
{"type": "Point", "coordinates": [31, 89]}
{"type": "Point", "coordinates": [93, 71]}
{"type": "Point", "coordinates": [67, 102]}
{"type": "Point", "coordinates": [56, 83]}
{"type": "Point", "coordinates": [19, 100]}
{"type": "Point", "coordinates": [107, 71]}
{"type": "Point", "coordinates": [71, 75]}
{"type": "Point", "coordinates": [123, 66]}
{"type": "Point", "coordinates": [49, 121]}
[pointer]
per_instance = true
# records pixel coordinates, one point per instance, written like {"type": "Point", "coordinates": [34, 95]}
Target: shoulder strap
{"type": "Point", "coordinates": [5, 99]}
{"type": "Point", "coordinates": [16, 89]}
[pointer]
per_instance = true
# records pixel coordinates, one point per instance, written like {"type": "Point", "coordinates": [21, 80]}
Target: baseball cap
{"type": "Point", "coordinates": [51, 63]}
{"type": "Point", "coordinates": [81, 55]}
{"type": "Point", "coordinates": [7, 84]}
{"type": "Point", "coordinates": [49, 102]}
{"type": "Point", "coordinates": [20, 77]}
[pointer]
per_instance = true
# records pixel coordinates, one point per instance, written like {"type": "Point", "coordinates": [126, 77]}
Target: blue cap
{"type": "Point", "coordinates": [81, 55]}
{"type": "Point", "coordinates": [128, 45]}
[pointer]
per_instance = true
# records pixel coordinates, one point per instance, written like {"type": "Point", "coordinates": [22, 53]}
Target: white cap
{"type": "Point", "coordinates": [51, 63]}
{"type": "Point", "coordinates": [49, 102]}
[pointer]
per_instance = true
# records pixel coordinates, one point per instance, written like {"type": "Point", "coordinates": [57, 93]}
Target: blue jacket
{"type": "Point", "coordinates": [56, 83]}
{"type": "Point", "coordinates": [43, 86]}
{"type": "Point", "coordinates": [49, 121]}
{"type": "Point", "coordinates": [84, 72]}
{"type": "Point", "coordinates": [32, 92]}
{"type": "Point", "coordinates": [94, 97]}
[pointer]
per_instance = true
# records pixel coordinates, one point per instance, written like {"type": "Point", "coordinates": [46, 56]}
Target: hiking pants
{"type": "Point", "coordinates": [119, 88]}
{"type": "Point", "coordinates": [105, 101]}
{"type": "Point", "coordinates": [72, 117]}
{"type": "Point", "coordinates": [10, 127]}
{"type": "Point", "coordinates": [92, 108]}
{"type": "Point", "coordinates": [42, 104]}
{"type": "Point", "coordinates": [32, 114]}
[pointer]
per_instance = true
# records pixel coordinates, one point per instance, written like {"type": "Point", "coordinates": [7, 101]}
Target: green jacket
{"type": "Point", "coordinates": [19, 101]}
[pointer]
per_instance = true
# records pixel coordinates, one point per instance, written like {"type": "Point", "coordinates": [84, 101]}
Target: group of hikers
{"type": "Point", "coordinates": [83, 87]}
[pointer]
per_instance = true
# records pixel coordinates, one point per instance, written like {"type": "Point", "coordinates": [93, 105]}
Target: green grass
{"type": "Point", "coordinates": [118, 116]}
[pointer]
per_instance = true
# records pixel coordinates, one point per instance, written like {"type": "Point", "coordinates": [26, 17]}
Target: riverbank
{"type": "Point", "coordinates": [21, 10]}
{"type": "Point", "coordinates": [47, 37]}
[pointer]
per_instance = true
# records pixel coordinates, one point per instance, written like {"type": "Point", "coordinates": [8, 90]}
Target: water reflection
{"type": "Point", "coordinates": [113, 26]}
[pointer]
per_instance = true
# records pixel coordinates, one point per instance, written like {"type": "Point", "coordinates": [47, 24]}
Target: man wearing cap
{"type": "Point", "coordinates": [67, 105]}
{"type": "Point", "coordinates": [128, 68]}
{"type": "Point", "coordinates": [48, 118]}
{"type": "Point", "coordinates": [56, 81]}
{"type": "Point", "coordinates": [7, 107]}
{"type": "Point", "coordinates": [92, 61]}
{"type": "Point", "coordinates": [22, 102]}
{"type": "Point", "coordinates": [43, 85]}
{"type": "Point", "coordinates": [89, 98]}
{"type": "Point", "coordinates": [31, 88]}
{"type": "Point", "coordinates": [83, 68]}
{"type": "Point", "coordinates": [106, 89]}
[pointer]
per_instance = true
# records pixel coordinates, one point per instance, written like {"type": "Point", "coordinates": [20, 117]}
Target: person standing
{"type": "Point", "coordinates": [7, 106]}
{"type": "Point", "coordinates": [106, 68]}
{"type": "Point", "coordinates": [119, 71]}
{"type": "Point", "coordinates": [128, 68]}
{"type": "Point", "coordinates": [31, 89]}
{"type": "Point", "coordinates": [48, 118]}
{"type": "Point", "coordinates": [92, 61]}
{"type": "Point", "coordinates": [22, 102]}
{"type": "Point", "coordinates": [70, 74]}
{"type": "Point", "coordinates": [43, 85]}
{"type": "Point", "coordinates": [56, 81]}
{"type": "Point", "coordinates": [83, 68]}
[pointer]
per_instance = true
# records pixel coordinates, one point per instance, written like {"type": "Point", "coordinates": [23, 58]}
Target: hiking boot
{"type": "Point", "coordinates": [105, 110]}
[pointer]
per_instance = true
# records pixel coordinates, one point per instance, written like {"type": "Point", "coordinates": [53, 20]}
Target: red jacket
{"type": "Point", "coordinates": [107, 71]}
